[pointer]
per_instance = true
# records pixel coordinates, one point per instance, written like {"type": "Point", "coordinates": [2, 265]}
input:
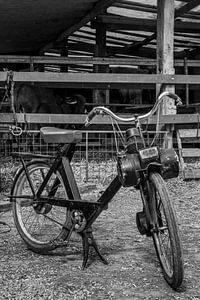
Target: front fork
{"type": "Point", "coordinates": [144, 219]}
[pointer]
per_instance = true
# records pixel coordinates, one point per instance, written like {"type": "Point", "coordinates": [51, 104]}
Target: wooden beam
{"type": "Point", "coordinates": [114, 22]}
{"type": "Point", "coordinates": [126, 23]}
{"type": "Point", "coordinates": [137, 45]}
{"type": "Point", "coordinates": [185, 0]}
{"type": "Point", "coordinates": [136, 6]}
{"type": "Point", "coordinates": [111, 50]}
{"type": "Point", "coordinates": [178, 12]}
{"type": "Point", "coordinates": [79, 119]}
{"type": "Point", "coordinates": [104, 80]}
{"type": "Point", "coordinates": [17, 59]}
{"type": "Point", "coordinates": [97, 9]}
{"type": "Point", "coordinates": [187, 7]}
{"type": "Point", "coordinates": [20, 59]}
{"type": "Point", "coordinates": [82, 46]}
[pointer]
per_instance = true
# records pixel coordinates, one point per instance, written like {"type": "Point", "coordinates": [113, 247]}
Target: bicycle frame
{"type": "Point", "coordinates": [62, 162]}
{"type": "Point", "coordinates": [91, 209]}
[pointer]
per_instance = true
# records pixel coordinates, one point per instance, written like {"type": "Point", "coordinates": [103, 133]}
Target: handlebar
{"type": "Point", "coordinates": [103, 110]}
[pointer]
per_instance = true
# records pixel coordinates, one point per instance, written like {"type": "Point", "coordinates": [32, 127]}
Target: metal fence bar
{"type": "Point", "coordinates": [87, 156]}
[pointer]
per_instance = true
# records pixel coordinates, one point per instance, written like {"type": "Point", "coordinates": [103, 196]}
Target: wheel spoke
{"type": "Point", "coordinates": [53, 220]}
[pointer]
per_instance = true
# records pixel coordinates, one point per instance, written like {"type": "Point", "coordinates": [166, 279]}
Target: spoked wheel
{"type": "Point", "coordinates": [41, 226]}
{"type": "Point", "coordinates": [165, 232]}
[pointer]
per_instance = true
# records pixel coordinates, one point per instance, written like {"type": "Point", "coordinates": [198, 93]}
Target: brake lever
{"type": "Point", "coordinates": [178, 101]}
{"type": "Point", "coordinates": [91, 115]}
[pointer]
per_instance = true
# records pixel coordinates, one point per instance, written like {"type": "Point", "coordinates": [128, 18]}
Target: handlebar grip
{"type": "Point", "coordinates": [90, 116]}
{"type": "Point", "coordinates": [176, 98]}
{"type": "Point", "coordinates": [178, 101]}
{"type": "Point", "coordinates": [171, 95]}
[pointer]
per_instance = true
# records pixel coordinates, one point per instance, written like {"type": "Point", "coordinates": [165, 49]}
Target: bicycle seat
{"type": "Point", "coordinates": [60, 136]}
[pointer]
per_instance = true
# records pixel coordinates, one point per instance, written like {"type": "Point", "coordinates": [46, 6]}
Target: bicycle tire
{"type": "Point", "coordinates": [165, 232]}
{"type": "Point", "coordinates": [40, 234]}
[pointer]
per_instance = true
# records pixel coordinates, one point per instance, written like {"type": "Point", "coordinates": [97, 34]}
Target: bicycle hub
{"type": "Point", "coordinates": [79, 220]}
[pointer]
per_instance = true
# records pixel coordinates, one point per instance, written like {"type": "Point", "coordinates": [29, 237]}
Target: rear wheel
{"type": "Point", "coordinates": [165, 231]}
{"type": "Point", "coordinates": [41, 226]}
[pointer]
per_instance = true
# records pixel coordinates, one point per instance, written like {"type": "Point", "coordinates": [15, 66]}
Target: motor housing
{"type": "Point", "coordinates": [134, 140]}
{"type": "Point", "coordinates": [128, 167]}
{"type": "Point", "coordinates": [170, 163]}
{"type": "Point", "coordinates": [142, 223]}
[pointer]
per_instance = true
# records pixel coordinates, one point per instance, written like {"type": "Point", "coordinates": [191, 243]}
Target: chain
{"type": "Point", "coordinates": [9, 95]}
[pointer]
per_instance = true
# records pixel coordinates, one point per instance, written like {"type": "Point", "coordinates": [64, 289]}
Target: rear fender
{"type": "Point", "coordinates": [21, 169]}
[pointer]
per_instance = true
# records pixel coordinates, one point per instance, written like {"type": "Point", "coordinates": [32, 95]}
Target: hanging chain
{"type": "Point", "coordinates": [15, 129]}
{"type": "Point", "coordinates": [6, 94]}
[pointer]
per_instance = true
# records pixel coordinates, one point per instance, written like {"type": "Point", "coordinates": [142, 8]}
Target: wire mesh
{"type": "Point", "coordinates": [95, 156]}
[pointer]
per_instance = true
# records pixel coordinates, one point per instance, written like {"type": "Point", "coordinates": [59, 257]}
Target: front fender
{"type": "Point", "coordinates": [154, 167]}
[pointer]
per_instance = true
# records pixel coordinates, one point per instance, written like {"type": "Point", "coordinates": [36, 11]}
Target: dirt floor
{"type": "Point", "coordinates": [133, 271]}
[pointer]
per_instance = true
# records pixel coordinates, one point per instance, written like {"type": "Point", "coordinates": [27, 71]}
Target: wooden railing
{"type": "Point", "coordinates": [8, 118]}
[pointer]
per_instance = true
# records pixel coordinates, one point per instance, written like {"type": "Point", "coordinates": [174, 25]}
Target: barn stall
{"type": "Point", "coordinates": [53, 65]}
{"type": "Point", "coordinates": [98, 48]}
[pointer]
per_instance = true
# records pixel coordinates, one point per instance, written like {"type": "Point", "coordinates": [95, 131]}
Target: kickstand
{"type": "Point", "coordinates": [88, 241]}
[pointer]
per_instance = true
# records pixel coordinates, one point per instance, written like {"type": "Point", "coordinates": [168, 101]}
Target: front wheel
{"type": "Point", "coordinates": [42, 227]}
{"type": "Point", "coordinates": [165, 231]}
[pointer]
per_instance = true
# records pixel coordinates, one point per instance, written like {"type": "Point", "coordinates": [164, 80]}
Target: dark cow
{"type": "Point", "coordinates": [124, 96]}
{"type": "Point", "coordinates": [32, 99]}
{"type": "Point", "coordinates": [135, 95]}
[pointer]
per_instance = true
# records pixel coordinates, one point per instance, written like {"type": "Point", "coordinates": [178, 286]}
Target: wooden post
{"type": "Point", "coordinates": [64, 53]}
{"type": "Point", "coordinates": [31, 64]}
{"type": "Point", "coordinates": [100, 51]}
{"type": "Point", "coordinates": [165, 56]}
{"type": "Point", "coordinates": [165, 48]}
{"type": "Point", "coordinates": [187, 85]}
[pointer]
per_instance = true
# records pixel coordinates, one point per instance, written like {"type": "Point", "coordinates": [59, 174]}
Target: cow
{"type": "Point", "coordinates": [124, 96]}
{"type": "Point", "coordinates": [135, 95]}
{"type": "Point", "coordinates": [39, 100]}
{"type": "Point", "coordinates": [34, 99]}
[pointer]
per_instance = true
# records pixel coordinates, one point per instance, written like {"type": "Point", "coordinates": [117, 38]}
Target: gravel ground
{"type": "Point", "coordinates": [133, 271]}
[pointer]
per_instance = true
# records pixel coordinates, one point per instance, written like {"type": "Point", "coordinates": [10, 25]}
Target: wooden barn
{"type": "Point", "coordinates": [117, 53]}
